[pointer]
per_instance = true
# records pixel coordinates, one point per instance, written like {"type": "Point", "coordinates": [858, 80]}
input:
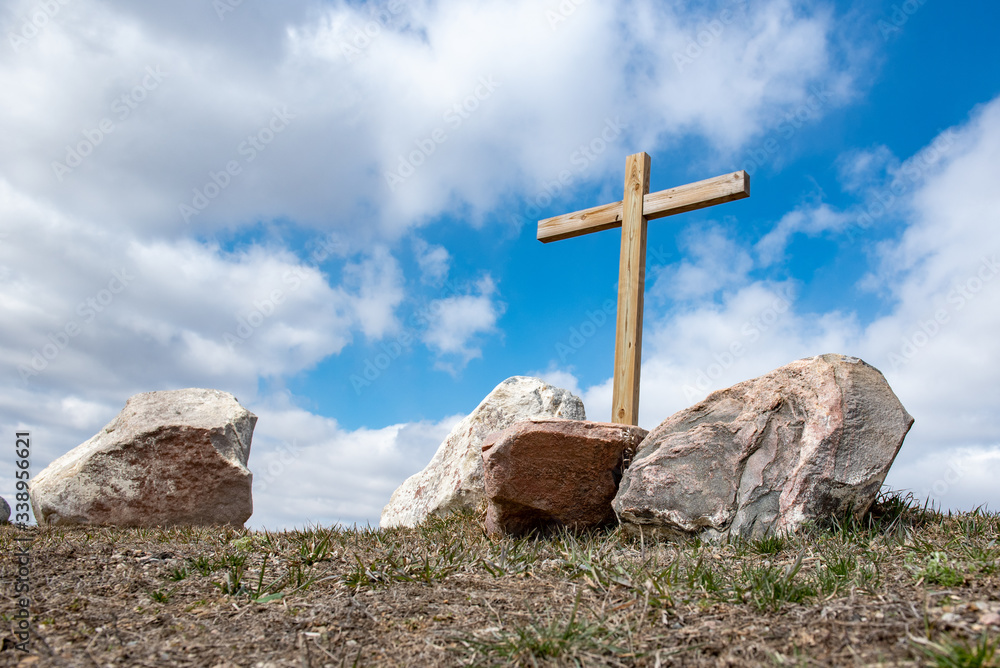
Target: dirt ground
{"type": "Point", "coordinates": [907, 588]}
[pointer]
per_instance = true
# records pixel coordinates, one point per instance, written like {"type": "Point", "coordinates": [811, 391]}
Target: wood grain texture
{"type": "Point", "coordinates": [631, 287]}
{"type": "Point", "coordinates": [717, 190]}
{"type": "Point", "coordinates": [571, 225]}
{"type": "Point", "coordinates": [632, 214]}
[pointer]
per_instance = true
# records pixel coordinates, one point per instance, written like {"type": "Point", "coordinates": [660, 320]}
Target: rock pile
{"type": "Point", "coordinates": [453, 479]}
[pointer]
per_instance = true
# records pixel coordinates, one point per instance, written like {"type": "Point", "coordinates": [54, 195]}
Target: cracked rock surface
{"type": "Point", "coordinates": [810, 441]}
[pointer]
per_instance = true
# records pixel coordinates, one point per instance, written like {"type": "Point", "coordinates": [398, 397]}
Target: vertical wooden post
{"type": "Point", "coordinates": [632, 215]}
{"type": "Point", "coordinates": [631, 286]}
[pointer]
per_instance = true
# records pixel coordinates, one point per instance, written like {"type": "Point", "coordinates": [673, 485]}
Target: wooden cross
{"type": "Point", "coordinates": [638, 207]}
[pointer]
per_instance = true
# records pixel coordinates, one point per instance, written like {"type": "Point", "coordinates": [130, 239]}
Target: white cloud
{"type": "Point", "coordinates": [102, 317]}
{"type": "Point", "coordinates": [689, 352]}
{"type": "Point", "coordinates": [811, 219]}
{"type": "Point", "coordinates": [378, 283]}
{"type": "Point", "coordinates": [434, 261]}
{"type": "Point", "coordinates": [859, 169]}
{"type": "Point", "coordinates": [713, 262]}
{"type": "Point", "coordinates": [939, 344]}
{"type": "Point", "coordinates": [330, 475]}
{"type": "Point", "coordinates": [743, 83]}
{"type": "Point", "coordinates": [961, 477]}
{"type": "Point", "coordinates": [124, 310]}
{"type": "Point", "coordinates": [456, 324]}
{"type": "Point", "coordinates": [351, 121]}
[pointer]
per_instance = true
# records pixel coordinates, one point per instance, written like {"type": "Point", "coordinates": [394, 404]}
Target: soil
{"type": "Point", "coordinates": [924, 587]}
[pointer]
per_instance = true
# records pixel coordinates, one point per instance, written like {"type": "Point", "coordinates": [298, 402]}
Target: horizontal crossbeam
{"type": "Point", "coordinates": [718, 190]}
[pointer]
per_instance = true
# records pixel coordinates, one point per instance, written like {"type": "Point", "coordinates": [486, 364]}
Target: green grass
{"type": "Point", "coordinates": [937, 568]}
{"type": "Point", "coordinates": [556, 639]}
{"type": "Point", "coordinates": [432, 565]}
{"type": "Point", "coordinates": [769, 587]}
{"type": "Point", "coordinates": [609, 597]}
{"type": "Point", "coordinates": [769, 544]}
{"type": "Point", "coordinates": [961, 654]}
{"type": "Point", "coordinates": [160, 596]}
{"type": "Point", "coordinates": [234, 567]}
{"type": "Point", "coordinates": [203, 565]}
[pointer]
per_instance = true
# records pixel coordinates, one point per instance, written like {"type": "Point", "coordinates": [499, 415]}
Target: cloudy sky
{"type": "Point", "coordinates": [329, 209]}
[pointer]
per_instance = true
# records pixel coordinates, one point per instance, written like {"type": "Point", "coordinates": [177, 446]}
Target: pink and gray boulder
{"type": "Point", "coordinates": [809, 442]}
{"type": "Point", "coordinates": [169, 458]}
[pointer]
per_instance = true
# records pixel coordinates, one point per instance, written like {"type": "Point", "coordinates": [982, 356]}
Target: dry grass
{"type": "Point", "coordinates": [906, 586]}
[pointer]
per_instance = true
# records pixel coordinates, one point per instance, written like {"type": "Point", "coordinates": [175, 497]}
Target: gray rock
{"type": "Point", "coordinates": [810, 441]}
{"type": "Point", "coordinates": [453, 479]}
{"type": "Point", "coordinates": [169, 458]}
{"type": "Point", "coordinates": [549, 473]}
{"type": "Point", "coordinates": [4, 511]}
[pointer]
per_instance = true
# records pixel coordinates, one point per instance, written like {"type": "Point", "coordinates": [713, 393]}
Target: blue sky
{"type": "Point", "coordinates": [329, 209]}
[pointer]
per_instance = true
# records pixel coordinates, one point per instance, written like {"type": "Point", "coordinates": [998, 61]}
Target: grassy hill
{"type": "Point", "coordinates": [904, 586]}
